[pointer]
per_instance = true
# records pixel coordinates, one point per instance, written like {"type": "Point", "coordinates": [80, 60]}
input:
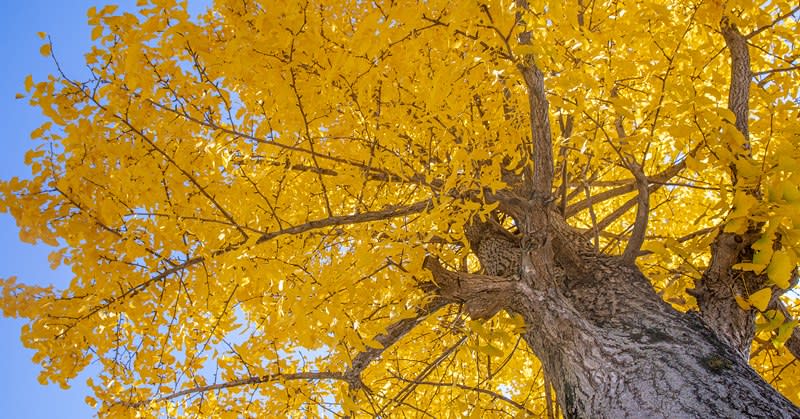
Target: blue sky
{"type": "Point", "coordinates": [21, 396]}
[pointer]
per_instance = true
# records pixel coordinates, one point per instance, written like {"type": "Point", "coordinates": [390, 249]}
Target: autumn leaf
{"type": "Point", "coordinates": [760, 299]}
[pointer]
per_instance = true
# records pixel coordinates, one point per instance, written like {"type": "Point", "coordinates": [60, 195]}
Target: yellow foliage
{"type": "Point", "coordinates": [250, 193]}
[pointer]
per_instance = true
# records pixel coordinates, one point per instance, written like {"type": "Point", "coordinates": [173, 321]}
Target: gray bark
{"type": "Point", "coordinates": [613, 349]}
{"type": "Point", "coordinates": [609, 345]}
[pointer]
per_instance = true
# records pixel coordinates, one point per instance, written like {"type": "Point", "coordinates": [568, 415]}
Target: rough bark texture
{"type": "Point", "coordinates": [609, 345]}
{"type": "Point", "coordinates": [716, 291]}
{"type": "Point", "coordinates": [721, 284]}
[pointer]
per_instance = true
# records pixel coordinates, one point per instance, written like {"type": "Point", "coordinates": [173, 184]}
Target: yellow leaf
{"type": "Point", "coordinates": [655, 247]}
{"type": "Point", "coordinates": [19, 96]}
{"type": "Point", "coordinates": [753, 267]}
{"type": "Point", "coordinates": [476, 414]}
{"type": "Point", "coordinates": [790, 192]}
{"type": "Point", "coordinates": [478, 327]}
{"type": "Point", "coordinates": [97, 31]}
{"type": "Point", "coordinates": [742, 202]}
{"type": "Point", "coordinates": [41, 35]}
{"type": "Point", "coordinates": [372, 343]}
{"type": "Point", "coordinates": [784, 332]}
{"type": "Point", "coordinates": [742, 303]}
{"type": "Point", "coordinates": [28, 83]}
{"type": "Point", "coordinates": [737, 225]}
{"type": "Point", "coordinates": [760, 299]}
{"type": "Point", "coordinates": [38, 132]}
{"type": "Point", "coordinates": [780, 268]}
{"type": "Point", "coordinates": [490, 350]}
{"type": "Point", "coordinates": [109, 9]}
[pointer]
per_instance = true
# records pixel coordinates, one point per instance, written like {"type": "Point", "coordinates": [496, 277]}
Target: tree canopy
{"type": "Point", "coordinates": [252, 201]}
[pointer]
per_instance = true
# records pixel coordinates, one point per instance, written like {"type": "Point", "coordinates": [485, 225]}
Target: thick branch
{"type": "Point", "coordinates": [622, 209]}
{"type": "Point", "coordinates": [739, 89]}
{"type": "Point", "coordinates": [482, 295]}
{"type": "Point", "coordinates": [542, 153]}
{"type": "Point", "coordinates": [387, 213]}
{"type": "Point", "coordinates": [720, 284]}
{"type": "Point", "coordinates": [642, 213]}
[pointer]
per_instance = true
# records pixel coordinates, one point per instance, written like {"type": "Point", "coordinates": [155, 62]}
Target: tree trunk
{"type": "Point", "coordinates": [613, 349]}
{"type": "Point", "coordinates": [608, 343]}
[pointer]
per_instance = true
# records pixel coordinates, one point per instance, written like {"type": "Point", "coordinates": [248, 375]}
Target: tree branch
{"type": "Point", "coordinates": [482, 295]}
{"type": "Point", "coordinates": [642, 214]}
{"type": "Point", "coordinates": [717, 289]}
{"type": "Point", "coordinates": [393, 334]}
{"type": "Point", "coordinates": [541, 182]}
{"type": "Point", "coordinates": [406, 391]}
{"type": "Point", "coordinates": [777, 70]}
{"type": "Point", "coordinates": [773, 23]}
{"type": "Point", "coordinates": [389, 212]}
{"type": "Point", "coordinates": [622, 209]}
{"type": "Point", "coordinates": [490, 393]}
{"type": "Point", "coordinates": [657, 179]}
{"type": "Point", "coordinates": [322, 375]}
{"type": "Point", "coordinates": [739, 89]}
{"type": "Point", "coordinates": [566, 133]}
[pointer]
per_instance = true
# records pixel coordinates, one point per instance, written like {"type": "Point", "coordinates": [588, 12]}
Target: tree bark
{"type": "Point", "coordinates": [612, 348]}
{"type": "Point", "coordinates": [608, 343]}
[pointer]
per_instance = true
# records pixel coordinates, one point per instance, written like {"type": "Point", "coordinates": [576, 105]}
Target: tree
{"type": "Point", "coordinates": [580, 208]}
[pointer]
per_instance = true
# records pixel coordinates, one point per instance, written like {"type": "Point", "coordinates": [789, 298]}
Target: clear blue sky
{"type": "Point", "coordinates": [21, 396]}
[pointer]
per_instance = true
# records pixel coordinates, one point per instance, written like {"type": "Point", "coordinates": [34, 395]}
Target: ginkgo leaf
{"type": "Point", "coordinates": [743, 304]}
{"type": "Point", "coordinates": [784, 332]}
{"type": "Point", "coordinates": [742, 203]}
{"type": "Point", "coordinates": [760, 299]}
{"type": "Point", "coordinates": [780, 268]}
{"type": "Point", "coordinates": [790, 192]}
{"type": "Point", "coordinates": [490, 350]}
{"type": "Point", "coordinates": [754, 267]}
{"type": "Point", "coordinates": [97, 31]}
